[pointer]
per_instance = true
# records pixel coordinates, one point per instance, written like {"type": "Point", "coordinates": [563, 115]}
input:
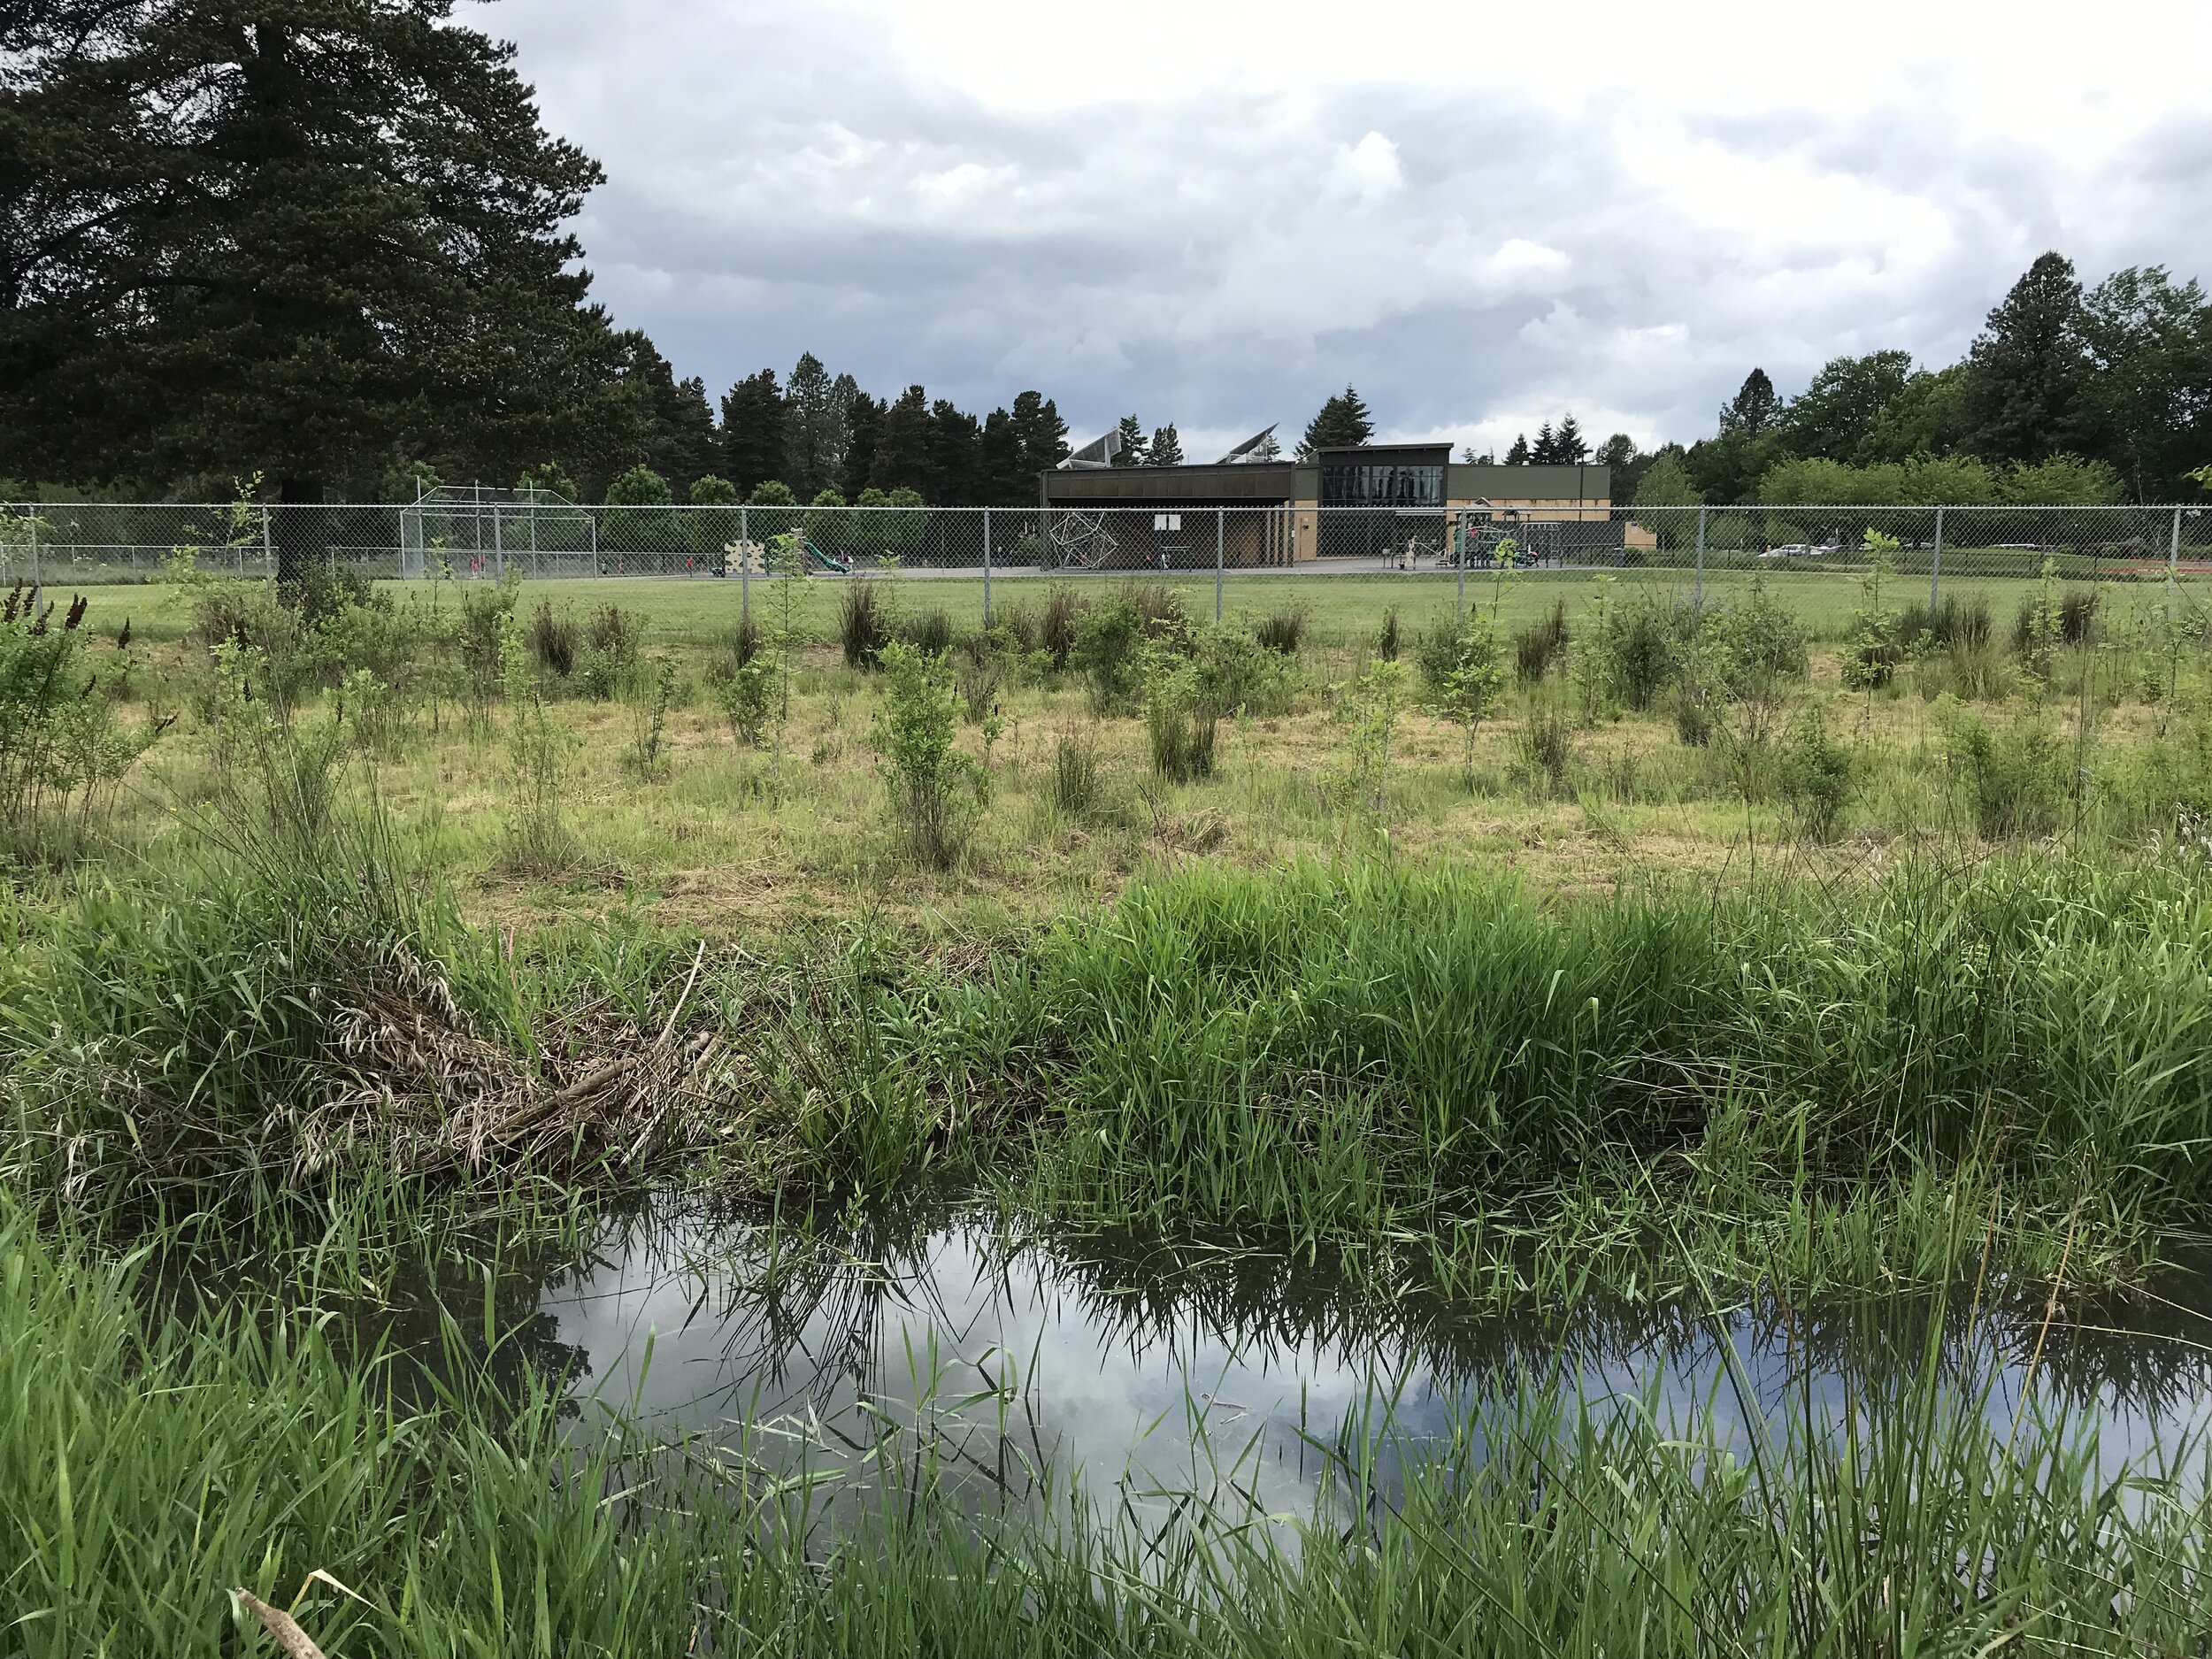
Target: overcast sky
{"type": "Point", "coordinates": [1217, 212]}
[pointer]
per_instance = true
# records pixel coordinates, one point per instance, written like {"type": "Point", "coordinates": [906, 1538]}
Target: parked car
{"type": "Point", "coordinates": [1793, 551]}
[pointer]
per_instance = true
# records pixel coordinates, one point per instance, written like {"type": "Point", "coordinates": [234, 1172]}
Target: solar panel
{"type": "Point", "coordinates": [1097, 453]}
{"type": "Point", "coordinates": [1255, 448]}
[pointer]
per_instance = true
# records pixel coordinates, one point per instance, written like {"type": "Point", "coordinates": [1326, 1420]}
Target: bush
{"type": "Point", "coordinates": [982, 666]}
{"type": "Point", "coordinates": [553, 641]}
{"type": "Point", "coordinates": [611, 651]}
{"type": "Point", "coordinates": [2075, 625]}
{"type": "Point", "coordinates": [1241, 674]}
{"type": "Point", "coordinates": [328, 588]}
{"type": "Point", "coordinates": [1107, 640]}
{"type": "Point", "coordinates": [1637, 648]}
{"type": "Point", "coordinates": [1159, 612]}
{"type": "Point", "coordinates": [61, 749]}
{"type": "Point", "coordinates": [2014, 777]}
{"type": "Point", "coordinates": [1955, 622]}
{"type": "Point", "coordinates": [1283, 632]}
{"type": "Point", "coordinates": [864, 625]}
{"type": "Point", "coordinates": [932, 781]}
{"type": "Point", "coordinates": [1817, 777]}
{"type": "Point", "coordinates": [1536, 648]}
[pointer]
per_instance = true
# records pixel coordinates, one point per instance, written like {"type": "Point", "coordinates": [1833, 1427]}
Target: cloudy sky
{"type": "Point", "coordinates": [1217, 212]}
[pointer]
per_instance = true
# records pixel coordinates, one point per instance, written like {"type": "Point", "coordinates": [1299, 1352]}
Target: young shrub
{"type": "Point", "coordinates": [1817, 777]}
{"type": "Point", "coordinates": [1283, 632]}
{"type": "Point", "coordinates": [62, 749]}
{"type": "Point", "coordinates": [1386, 642]}
{"type": "Point", "coordinates": [1536, 648]}
{"type": "Point", "coordinates": [1637, 648]}
{"type": "Point", "coordinates": [2014, 777]}
{"type": "Point", "coordinates": [743, 680]}
{"type": "Point", "coordinates": [538, 843]}
{"type": "Point", "coordinates": [1465, 676]}
{"type": "Point", "coordinates": [1108, 639]}
{"type": "Point", "coordinates": [1159, 612]}
{"type": "Point", "coordinates": [1240, 674]}
{"type": "Point", "coordinates": [983, 662]}
{"type": "Point", "coordinates": [864, 625]}
{"type": "Point", "coordinates": [1020, 623]}
{"type": "Point", "coordinates": [553, 641]}
{"type": "Point", "coordinates": [649, 727]}
{"type": "Point", "coordinates": [1077, 788]}
{"type": "Point", "coordinates": [933, 786]}
{"type": "Point", "coordinates": [1876, 647]}
{"type": "Point", "coordinates": [1368, 710]}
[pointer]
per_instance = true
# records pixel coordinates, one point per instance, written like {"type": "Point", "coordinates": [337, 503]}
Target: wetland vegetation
{"type": "Point", "coordinates": [1595, 948]}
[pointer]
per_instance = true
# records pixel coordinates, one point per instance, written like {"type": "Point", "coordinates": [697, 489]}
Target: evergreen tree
{"type": "Point", "coordinates": [2025, 371]}
{"type": "Point", "coordinates": [1042, 433]}
{"type": "Point", "coordinates": [1569, 447]}
{"type": "Point", "coordinates": [1754, 409]}
{"type": "Point", "coordinates": [754, 430]}
{"type": "Point", "coordinates": [1471, 457]}
{"type": "Point", "coordinates": [1133, 449]}
{"type": "Point", "coordinates": [863, 428]}
{"type": "Point", "coordinates": [1166, 448]}
{"type": "Point", "coordinates": [1545, 451]}
{"type": "Point", "coordinates": [815, 427]}
{"type": "Point", "coordinates": [954, 439]}
{"type": "Point", "coordinates": [902, 445]}
{"type": "Point", "coordinates": [1518, 454]}
{"type": "Point", "coordinates": [1268, 450]}
{"type": "Point", "coordinates": [1342, 423]}
{"type": "Point", "coordinates": [242, 237]}
{"type": "Point", "coordinates": [999, 471]}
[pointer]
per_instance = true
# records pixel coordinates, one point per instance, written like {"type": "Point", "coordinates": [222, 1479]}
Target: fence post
{"type": "Point", "coordinates": [499, 543]}
{"type": "Point", "coordinates": [268, 554]}
{"type": "Point", "coordinates": [1459, 561]}
{"type": "Point", "coordinates": [744, 564]}
{"type": "Point", "coordinates": [1700, 555]}
{"type": "Point", "coordinates": [1221, 519]}
{"type": "Point", "coordinates": [2173, 562]}
{"type": "Point", "coordinates": [986, 567]}
{"type": "Point", "coordinates": [1935, 565]}
{"type": "Point", "coordinates": [537, 566]}
{"type": "Point", "coordinates": [34, 547]}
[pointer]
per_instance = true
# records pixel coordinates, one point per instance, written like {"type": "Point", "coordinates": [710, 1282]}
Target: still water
{"type": "Point", "coordinates": [1148, 1373]}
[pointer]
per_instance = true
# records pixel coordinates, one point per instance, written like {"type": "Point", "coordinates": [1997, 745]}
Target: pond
{"type": "Point", "coordinates": [1141, 1375]}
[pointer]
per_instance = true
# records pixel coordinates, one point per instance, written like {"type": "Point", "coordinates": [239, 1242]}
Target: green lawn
{"type": "Point", "coordinates": [1342, 610]}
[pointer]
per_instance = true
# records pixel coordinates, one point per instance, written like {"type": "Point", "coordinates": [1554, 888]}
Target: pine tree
{"type": "Point", "coordinates": [1268, 449]}
{"type": "Point", "coordinates": [1569, 447]}
{"type": "Point", "coordinates": [1754, 409]}
{"type": "Point", "coordinates": [863, 429]}
{"type": "Point", "coordinates": [1517, 455]}
{"type": "Point", "coordinates": [815, 428]}
{"type": "Point", "coordinates": [999, 471]}
{"type": "Point", "coordinates": [754, 443]}
{"type": "Point", "coordinates": [1043, 434]}
{"type": "Point", "coordinates": [1544, 452]}
{"type": "Point", "coordinates": [953, 440]}
{"type": "Point", "coordinates": [1133, 450]}
{"type": "Point", "coordinates": [287, 239]}
{"type": "Point", "coordinates": [2025, 373]}
{"type": "Point", "coordinates": [1342, 423]}
{"type": "Point", "coordinates": [902, 458]}
{"type": "Point", "coordinates": [1166, 448]}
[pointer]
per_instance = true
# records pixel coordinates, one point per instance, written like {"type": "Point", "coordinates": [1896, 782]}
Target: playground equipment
{"type": "Point", "coordinates": [828, 561]}
{"type": "Point", "coordinates": [1491, 540]}
{"type": "Point", "coordinates": [1077, 538]}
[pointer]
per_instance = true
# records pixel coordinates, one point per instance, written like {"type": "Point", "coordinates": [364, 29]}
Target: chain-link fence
{"type": "Point", "coordinates": [1694, 550]}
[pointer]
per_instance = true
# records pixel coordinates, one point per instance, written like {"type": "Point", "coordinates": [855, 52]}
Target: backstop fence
{"type": "Point", "coordinates": [488, 536]}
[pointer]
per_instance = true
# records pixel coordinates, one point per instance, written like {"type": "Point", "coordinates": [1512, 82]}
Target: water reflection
{"type": "Point", "coordinates": [1145, 1371]}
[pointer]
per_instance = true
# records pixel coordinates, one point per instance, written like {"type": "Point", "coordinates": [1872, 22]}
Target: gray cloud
{"type": "Point", "coordinates": [1473, 260]}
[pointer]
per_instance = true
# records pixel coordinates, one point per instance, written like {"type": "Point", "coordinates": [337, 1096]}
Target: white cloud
{"type": "Point", "coordinates": [1216, 212]}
